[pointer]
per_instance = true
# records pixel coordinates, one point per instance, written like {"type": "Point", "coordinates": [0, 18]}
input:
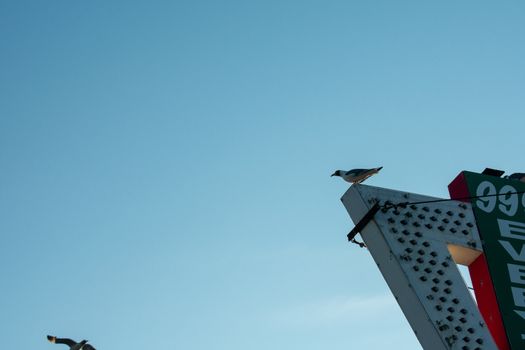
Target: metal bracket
{"type": "Point", "coordinates": [364, 221]}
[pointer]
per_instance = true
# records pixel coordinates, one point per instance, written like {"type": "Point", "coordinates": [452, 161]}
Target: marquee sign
{"type": "Point", "coordinates": [416, 242]}
{"type": "Point", "coordinates": [500, 216]}
{"type": "Point", "coordinates": [415, 247]}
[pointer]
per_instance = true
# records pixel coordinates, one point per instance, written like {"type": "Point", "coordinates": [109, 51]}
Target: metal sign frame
{"type": "Point", "coordinates": [416, 248]}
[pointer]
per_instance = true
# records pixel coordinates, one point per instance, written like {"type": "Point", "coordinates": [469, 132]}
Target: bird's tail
{"type": "Point", "coordinates": [379, 168]}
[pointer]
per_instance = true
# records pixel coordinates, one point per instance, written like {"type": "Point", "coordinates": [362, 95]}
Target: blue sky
{"type": "Point", "coordinates": [165, 165]}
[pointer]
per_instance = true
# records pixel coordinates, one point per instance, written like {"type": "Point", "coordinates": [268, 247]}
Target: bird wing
{"type": "Point", "coordinates": [67, 341]}
{"type": "Point", "coordinates": [88, 347]}
{"type": "Point", "coordinates": [356, 172]}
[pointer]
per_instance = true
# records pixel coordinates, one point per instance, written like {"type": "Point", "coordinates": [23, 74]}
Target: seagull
{"type": "Point", "coordinates": [356, 176]}
{"type": "Point", "coordinates": [73, 345]}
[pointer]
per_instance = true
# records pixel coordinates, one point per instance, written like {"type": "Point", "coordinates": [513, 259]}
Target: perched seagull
{"type": "Point", "coordinates": [73, 345]}
{"type": "Point", "coordinates": [356, 176]}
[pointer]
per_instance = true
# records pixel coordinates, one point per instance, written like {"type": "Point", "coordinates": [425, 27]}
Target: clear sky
{"type": "Point", "coordinates": [165, 165]}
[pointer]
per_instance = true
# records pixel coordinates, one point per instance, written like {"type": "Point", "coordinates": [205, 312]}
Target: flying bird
{"type": "Point", "coordinates": [356, 176]}
{"type": "Point", "coordinates": [73, 345]}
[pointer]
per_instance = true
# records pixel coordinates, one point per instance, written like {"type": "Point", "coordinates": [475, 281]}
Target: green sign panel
{"type": "Point", "coordinates": [500, 215]}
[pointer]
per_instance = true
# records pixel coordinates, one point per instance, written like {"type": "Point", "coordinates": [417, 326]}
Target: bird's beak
{"type": "Point", "coordinates": [332, 175]}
